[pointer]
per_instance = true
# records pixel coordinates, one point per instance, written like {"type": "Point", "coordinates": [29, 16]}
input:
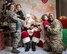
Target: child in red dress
{"type": "Point", "coordinates": [46, 24]}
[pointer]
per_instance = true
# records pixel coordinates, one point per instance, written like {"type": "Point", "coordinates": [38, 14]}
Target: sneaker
{"type": "Point", "coordinates": [15, 51]}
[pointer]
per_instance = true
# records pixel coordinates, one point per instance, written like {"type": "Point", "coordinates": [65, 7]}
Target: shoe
{"type": "Point", "coordinates": [33, 46]}
{"type": "Point", "coordinates": [15, 51]}
{"type": "Point", "coordinates": [64, 49]}
{"type": "Point", "coordinates": [48, 50]}
{"type": "Point", "coordinates": [27, 47]}
{"type": "Point", "coordinates": [34, 49]}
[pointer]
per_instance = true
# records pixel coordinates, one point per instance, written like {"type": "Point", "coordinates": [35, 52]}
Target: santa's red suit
{"type": "Point", "coordinates": [35, 33]}
{"type": "Point", "coordinates": [25, 36]}
{"type": "Point", "coordinates": [36, 36]}
{"type": "Point", "coordinates": [28, 33]}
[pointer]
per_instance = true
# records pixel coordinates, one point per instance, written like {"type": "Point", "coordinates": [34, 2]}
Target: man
{"type": "Point", "coordinates": [31, 33]}
{"type": "Point", "coordinates": [55, 34]}
{"type": "Point", "coordinates": [14, 20]}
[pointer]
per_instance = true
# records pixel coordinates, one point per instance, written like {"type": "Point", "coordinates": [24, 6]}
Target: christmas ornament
{"type": "Point", "coordinates": [44, 1]}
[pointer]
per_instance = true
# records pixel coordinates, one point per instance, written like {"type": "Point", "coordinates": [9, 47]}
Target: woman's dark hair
{"type": "Point", "coordinates": [8, 7]}
{"type": "Point", "coordinates": [43, 16]}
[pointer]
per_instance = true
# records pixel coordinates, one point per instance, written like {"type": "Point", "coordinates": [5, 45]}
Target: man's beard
{"type": "Point", "coordinates": [50, 21]}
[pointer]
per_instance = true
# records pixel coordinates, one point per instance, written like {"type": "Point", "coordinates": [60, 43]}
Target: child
{"type": "Point", "coordinates": [19, 15]}
{"type": "Point", "coordinates": [19, 12]}
{"type": "Point", "coordinates": [45, 21]}
{"type": "Point", "coordinates": [46, 24]}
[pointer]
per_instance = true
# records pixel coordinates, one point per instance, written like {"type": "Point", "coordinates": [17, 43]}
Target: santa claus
{"type": "Point", "coordinates": [31, 32]}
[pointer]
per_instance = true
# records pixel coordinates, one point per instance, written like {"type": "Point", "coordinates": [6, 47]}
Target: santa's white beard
{"type": "Point", "coordinates": [30, 21]}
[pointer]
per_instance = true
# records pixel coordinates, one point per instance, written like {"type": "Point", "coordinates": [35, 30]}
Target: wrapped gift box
{"type": "Point", "coordinates": [2, 45]}
{"type": "Point", "coordinates": [64, 22]}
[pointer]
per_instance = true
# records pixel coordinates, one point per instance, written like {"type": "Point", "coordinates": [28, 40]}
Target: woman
{"type": "Point", "coordinates": [12, 16]}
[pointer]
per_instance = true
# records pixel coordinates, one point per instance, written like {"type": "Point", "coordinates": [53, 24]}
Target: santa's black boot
{"type": "Point", "coordinates": [27, 47]}
{"type": "Point", "coordinates": [33, 46]}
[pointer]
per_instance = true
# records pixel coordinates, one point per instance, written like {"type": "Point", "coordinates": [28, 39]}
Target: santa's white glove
{"type": "Point", "coordinates": [35, 29]}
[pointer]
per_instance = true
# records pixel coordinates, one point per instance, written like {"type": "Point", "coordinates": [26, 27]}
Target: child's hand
{"type": "Point", "coordinates": [35, 29]}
